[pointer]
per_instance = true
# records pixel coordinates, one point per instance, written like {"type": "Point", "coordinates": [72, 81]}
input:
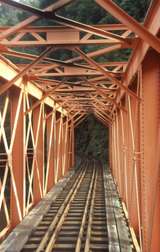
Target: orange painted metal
{"type": "Point", "coordinates": [150, 108]}
{"type": "Point", "coordinates": [16, 158]}
{"type": "Point", "coordinates": [38, 158]}
{"type": "Point", "coordinates": [58, 145]}
{"type": "Point", "coordinates": [50, 176]}
{"type": "Point", "coordinates": [44, 101]}
{"type": "Point", "coordinates": [131, 23]}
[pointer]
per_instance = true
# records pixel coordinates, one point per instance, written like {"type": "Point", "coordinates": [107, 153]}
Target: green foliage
{"type": "Point", "coordinates": [83, 11]}
{"type": "Point", "coordinates": [12, 16]}
{"type": "Point", "coordinates": [91, 139]}
{"type": "Point", "coordinates": [91, 136]}
{"type": "Point", "coordinates": [86, 11]}
{"type": "Point", "coordinates": [135, 8]}
{"type": "Point", "coordinates": [89, 12]}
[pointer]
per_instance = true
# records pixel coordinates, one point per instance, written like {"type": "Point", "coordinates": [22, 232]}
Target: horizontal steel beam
{"type": "Point", "coordinates": [57, 43]}
{"type": "Point", "coordinates": [107, 27]}
{"type": "Point", "coordinates": [53, 7]}
{"type": "Point", "coordinates": [65, 21]}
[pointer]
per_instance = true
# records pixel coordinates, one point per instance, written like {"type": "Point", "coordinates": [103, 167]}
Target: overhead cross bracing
{"type": "Point", "coordinates": [46, 93]}
{"type": "Point", "coordinates": [80, 83]}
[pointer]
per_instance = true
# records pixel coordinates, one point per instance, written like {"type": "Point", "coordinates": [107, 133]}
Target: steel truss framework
{"type": "Point", "coordinates": [43, 100]}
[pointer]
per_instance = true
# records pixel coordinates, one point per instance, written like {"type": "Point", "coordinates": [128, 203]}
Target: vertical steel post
{"type": "Point", "coordinates": [16, 157]}
{"type": "Point", "coordinates": [38, 131]}
{"type": "Point", "coordinates": [73, 147]}
{"type": "Point", "coordinates": [150, 190]}
{"type": "Point", "coordinates": [50, 152]}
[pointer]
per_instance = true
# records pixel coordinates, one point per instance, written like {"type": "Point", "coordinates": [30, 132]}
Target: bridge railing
{"type": "Point", "coordinates": [134, 153]}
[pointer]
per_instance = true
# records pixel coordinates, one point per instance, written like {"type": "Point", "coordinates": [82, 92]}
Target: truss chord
{"type": "Point", "coordinates": [24, 71]}
{"type": "Point", "coordinates": [41, 104]}
{"type": "Point", "coordinates": [106, 73]}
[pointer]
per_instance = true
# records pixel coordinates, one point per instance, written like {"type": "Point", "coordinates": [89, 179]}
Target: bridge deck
{"type": "Point", "coordinates": [82, 212]}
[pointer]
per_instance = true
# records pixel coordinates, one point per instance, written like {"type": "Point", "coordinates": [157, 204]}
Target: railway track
{"type": "Point", "coordinates": [76, 220]}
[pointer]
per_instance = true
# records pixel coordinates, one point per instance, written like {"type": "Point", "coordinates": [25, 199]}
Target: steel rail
{"type": "Point", "coordinates": [88, 238]}
{"type": "Point", "coordinates": [81, 232]}
{"type": "Point", "coordinates": [84, 222]}
{"type": "Point", "coordinates": [52, 241]}
{"type": "Point", "coordinates": [60, 214]}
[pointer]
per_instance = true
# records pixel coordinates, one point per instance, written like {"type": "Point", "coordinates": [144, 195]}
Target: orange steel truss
{"type": "Point", "coordinates": [44, 100]}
